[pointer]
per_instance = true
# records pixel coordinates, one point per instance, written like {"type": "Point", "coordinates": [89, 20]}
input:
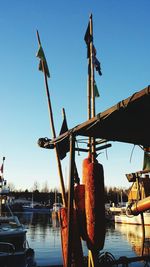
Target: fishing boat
{"type": "Point", "coordinates": [14, 246]}
{"type": "Point", "coordinates": [124, 219]}
{"type": "Point", "coordinates": [36, 208]}
{"type": "Point", "coordinates": [83, 215]}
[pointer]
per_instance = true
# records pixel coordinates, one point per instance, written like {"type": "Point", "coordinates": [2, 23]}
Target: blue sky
{"type": "Point", "coordinates": [121, 37]}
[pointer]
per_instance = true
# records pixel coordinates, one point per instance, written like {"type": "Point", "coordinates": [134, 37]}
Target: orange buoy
{"type": "Point", "coordinates": [79, 195]}
{"type": "Point", "coordinates": [95, 206]}
{"type": "Point", "coordinates": [77, 252]}
{"type": "Point", "coordinates": [85, 164]}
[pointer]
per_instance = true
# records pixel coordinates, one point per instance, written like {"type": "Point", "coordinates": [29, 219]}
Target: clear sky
{"type": "Point", "coordinates": [122, 41]}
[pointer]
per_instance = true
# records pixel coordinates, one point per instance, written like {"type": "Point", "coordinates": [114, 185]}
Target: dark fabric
{"type": "Point", "coordinates": [97, 65]}
{"type": "Point", "coordinates": [63, 146]}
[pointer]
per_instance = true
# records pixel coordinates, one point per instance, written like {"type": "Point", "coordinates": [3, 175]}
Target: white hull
{"type": "Point", "coordinates": [123, 219]}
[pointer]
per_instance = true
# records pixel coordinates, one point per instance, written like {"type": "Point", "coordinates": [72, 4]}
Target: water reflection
{"type": "Point", "coordinates": [37, 223]}
{"type": "Point", "coordinates": [133, 233]}
{"type": "Point", "coordinates": [43, 235]}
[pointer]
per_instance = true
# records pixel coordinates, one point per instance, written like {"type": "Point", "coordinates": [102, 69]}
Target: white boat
{"type": "Point", "coordinates": [13, 243]}
{"type": "Point", "coordinates": [57, 207]}
{"type": "Point", "coordinates": [55, 212]}
{"type": "Point", "coordinates": [124, 219]}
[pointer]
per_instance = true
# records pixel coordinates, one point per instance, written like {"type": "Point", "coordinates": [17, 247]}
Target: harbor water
{"type": "Point", "coordinates": [43, 236]}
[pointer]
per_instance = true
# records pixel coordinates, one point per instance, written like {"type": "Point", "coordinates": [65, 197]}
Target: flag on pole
{"type": "Point", "coordinates": [2, 167]}
{"type": "Point", "coordinates": [63, 146]}
{"type": "Point", "coordinates": [96, 92]}
{"type": "Point", "coordinates": [41, 56]}
{"type": "Point", "coordinates": [97, 65]}
{"type": "Point", "coordinates": [88, 38]}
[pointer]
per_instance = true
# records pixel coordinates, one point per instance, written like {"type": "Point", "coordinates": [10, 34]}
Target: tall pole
{"type": "Point", "coordinates": [70, 200]}
{"type": "Point", "coordinates": [89, 98]}
{"type": "Point", "coordinates": [92, 84]}
{"type": "Point", "coordinates": [1, 185]}
{"type": "Point", "coordinates": [53, 130]}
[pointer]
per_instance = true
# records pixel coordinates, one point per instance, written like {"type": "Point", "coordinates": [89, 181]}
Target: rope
{"type": "Point", "coordinates": [106, 259]}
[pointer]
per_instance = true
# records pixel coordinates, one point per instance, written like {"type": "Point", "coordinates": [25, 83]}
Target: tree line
{"type": "Point", "coordinates": [49, 197]}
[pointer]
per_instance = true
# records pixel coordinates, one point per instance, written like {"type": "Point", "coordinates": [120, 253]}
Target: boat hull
{"type": "Point", "coordinates": [123, 219]}
{"type": "Point", "coordinates": [36, 210]}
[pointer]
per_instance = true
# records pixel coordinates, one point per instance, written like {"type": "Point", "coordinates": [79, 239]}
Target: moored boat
{"type": "Point", "coordinates": [14, 246]}
{"type": "Point", "coordinates": [124, 219]}
{"type": "Point", "coordinates": [36, 208]}
{"type": "Point", "coordinates": [56, 208]}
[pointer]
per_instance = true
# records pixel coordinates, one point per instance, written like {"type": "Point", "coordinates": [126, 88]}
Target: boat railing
{"type": "Point", "coordinates": [7, 248]}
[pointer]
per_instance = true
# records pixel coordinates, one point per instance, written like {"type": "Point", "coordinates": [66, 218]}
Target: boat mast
{"type": "Point", "coordinates": [92, 85]}
{"type": "Point", "coordinates": [1, 184]}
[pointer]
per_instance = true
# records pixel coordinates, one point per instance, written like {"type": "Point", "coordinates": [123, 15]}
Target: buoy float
{"type": "Point", "coordinates": [77, 252]}
{"type": "Point", "coordinates": [85, 165]}
{"type": "Point", "coordinates": [79, 195]}
{"type": "Point", "coordinates": [94, 205]}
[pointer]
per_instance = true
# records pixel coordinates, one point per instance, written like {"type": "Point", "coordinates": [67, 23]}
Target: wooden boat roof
{"type": "Point", "coordinates": [127, 121]}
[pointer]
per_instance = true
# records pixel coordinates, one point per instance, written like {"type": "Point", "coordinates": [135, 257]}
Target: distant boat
{"type": "Point", "coordinates": [124, 219]}
{"type": "Point", "coordinates": [55, 210]}
{"type": "Point", "coordinates": [57, 206]}
{"type": "Point", "coordinates": [34, 207]}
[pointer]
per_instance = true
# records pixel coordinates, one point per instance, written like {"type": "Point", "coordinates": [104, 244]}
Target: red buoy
{"type": "Point", "coordinates": [77, 252]}
{"type": "Point", "coordinates": [79, 195]}
{"type": "Point", "coordinates": [95, 206]}
{"type": "Point", "coordinates": [85, 165]}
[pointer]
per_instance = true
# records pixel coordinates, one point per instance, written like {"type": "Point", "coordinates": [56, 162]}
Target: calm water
{"type": "Point", "coordinates": [44, 237]}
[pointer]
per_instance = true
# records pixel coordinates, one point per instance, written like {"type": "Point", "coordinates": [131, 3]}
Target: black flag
{"type": "Point", "coordinates": [88, 38]}
{"type": "Point", "coordinates": [97, 65]}
{"type": "Point", "coordinates": [63, 146]}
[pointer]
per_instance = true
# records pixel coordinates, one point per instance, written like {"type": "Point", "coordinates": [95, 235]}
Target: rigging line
{"type": "Point", "coordinates": [132, 153]}
{"type": "Point", "coordinates": [62, 138]}
{"type": "Point", "coordinates": [98, 120]}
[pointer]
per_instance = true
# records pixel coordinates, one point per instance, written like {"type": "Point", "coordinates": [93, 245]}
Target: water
{"type": "Point", "coordinates": [44, 236]}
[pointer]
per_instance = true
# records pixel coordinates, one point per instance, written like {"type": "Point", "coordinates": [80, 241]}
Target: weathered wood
{"type": "Point", "coordinates": [70, 200]}
{"type": "Point", "coordinates": [53, 130]}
